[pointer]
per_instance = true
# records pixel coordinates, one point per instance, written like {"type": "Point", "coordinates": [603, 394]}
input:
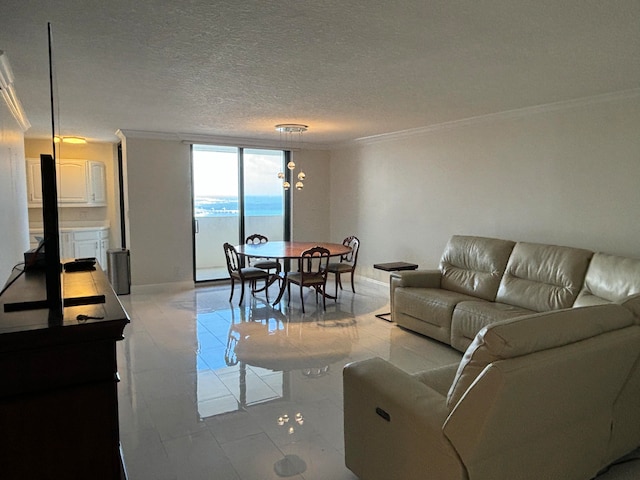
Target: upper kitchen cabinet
{"type": "Point", "coordinates": [81, 183]}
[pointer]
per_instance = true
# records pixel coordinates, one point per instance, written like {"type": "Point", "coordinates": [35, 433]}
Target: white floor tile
{"type": "Point", "coordinates": [206, 385]}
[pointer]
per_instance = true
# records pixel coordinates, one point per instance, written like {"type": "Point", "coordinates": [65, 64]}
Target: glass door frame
{"type": "Point", "coordinates": [241, 203]}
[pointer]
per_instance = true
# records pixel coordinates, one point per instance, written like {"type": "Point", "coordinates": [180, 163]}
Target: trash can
{"type": "Point", "coordinates": [119, 270]}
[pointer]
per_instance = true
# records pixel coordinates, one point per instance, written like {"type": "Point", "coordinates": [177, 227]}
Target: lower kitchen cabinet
{"type": "Point", "coordinates": [80, 243]}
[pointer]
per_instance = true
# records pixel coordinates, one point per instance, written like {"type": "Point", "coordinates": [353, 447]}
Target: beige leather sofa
{"type": "Point", "coordinates": [484, 280]}
{"type": "Point", "coordinates": [551, 396]}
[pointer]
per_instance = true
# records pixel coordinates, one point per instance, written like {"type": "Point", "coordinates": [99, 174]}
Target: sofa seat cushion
{"type": "Point", "coordinates": [470, 317]}
{"type": "Point", "coordinates": [431, 307]}
{"type": "Point", "coordinates": [542, 277]}
{"type": "Point", "coordinates": [609, 278]}
{"type": "Point", "coordinates": [532, 333]}
{"type": "Point", "coordinates": [474, 265]}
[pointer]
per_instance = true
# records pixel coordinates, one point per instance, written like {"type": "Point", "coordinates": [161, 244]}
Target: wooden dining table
{"type": "Point", "coordinates": [287, 251]}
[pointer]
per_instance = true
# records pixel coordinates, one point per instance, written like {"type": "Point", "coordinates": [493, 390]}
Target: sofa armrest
{"type": "Point", "coordinates": [413, 278]}
{"type": "Point", "coordinates": [416, 278]}
{"type": "Point", "coordinates": [632, 303]}
{"type": "Point", "coordinates": [388, 411]}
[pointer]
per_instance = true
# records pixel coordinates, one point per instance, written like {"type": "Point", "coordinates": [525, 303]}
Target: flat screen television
{"type": "Point", "coordinates": [51, 235]}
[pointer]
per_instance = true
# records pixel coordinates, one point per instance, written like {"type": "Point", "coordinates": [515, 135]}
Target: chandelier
{"type": "Point", "coordinates": [291, 138]}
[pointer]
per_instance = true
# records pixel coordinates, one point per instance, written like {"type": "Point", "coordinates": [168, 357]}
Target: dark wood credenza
{"type": "Point", "coordinates": [58, 382]}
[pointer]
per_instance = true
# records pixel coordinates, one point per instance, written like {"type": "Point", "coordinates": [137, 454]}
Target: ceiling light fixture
{"type": "Point", "coordinates": [291, 139]}
{"type": "Point", "coordinates": [9, 94]}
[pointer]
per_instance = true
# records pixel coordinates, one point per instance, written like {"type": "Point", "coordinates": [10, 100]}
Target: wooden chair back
{"type": "Point", "coordinates": [352, 256]}
{"type": "Point", "coordinates": [314, 262]}
{"type": "Point", "coordinates": [256, 239]}
{"type": "Point", "coordinates": [233, 260]}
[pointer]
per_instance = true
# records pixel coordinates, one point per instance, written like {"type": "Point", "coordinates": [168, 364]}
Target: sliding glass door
{"type": "Point", "coordinates": [236, 192]}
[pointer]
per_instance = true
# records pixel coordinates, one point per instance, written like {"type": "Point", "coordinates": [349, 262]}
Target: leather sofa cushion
{"type": "Point", "coordinates": [469, 318]}
{"type": "Point", "coordinates": [609, 278]}
{"type": "Point", "coordinates": [430, 305]}
{"type": "Point", "coordinates": [632, 304]}
{"type": "Point", "coordinates": [532, 333]}
{"type": "Point", "coordinates": [474, 265]}
{"type": "Point", "coordinates": [542, 277]}
{"type": "Point", "coordinates": [438, 378]}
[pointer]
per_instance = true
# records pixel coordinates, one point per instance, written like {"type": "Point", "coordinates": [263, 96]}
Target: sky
{"type": "Point", "coordinates": [215, 171]}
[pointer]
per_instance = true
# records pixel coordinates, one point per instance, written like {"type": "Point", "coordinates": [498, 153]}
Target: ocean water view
{"type": "Point", "coordinates": [255, 206]}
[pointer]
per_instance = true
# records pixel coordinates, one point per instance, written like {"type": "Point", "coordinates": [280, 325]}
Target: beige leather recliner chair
{"type": "Point", "coordinates": [544, 396]}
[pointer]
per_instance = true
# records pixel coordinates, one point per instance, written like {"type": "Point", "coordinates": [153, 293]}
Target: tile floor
{"type": "Point", "coordinates": [212, 391]}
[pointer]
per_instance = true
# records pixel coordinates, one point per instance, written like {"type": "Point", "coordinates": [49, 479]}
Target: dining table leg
{"type": "Point", "coordinates": [283, 286]}
{"type": "Point", "coordinates": [328, 295]}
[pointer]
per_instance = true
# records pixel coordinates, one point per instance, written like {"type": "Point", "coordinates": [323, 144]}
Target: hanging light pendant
{"type": "Point", "coordinates": [291, 139]}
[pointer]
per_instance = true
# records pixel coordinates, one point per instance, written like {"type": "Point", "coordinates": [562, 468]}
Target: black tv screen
{"type": "Point", "coordinates": [51, 235]}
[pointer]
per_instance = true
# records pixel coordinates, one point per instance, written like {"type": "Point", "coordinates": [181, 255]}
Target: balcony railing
{"type": "Point", "coordinates": [213, 232]}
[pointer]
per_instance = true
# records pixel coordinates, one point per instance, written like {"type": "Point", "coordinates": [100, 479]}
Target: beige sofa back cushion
{"type": "Point", "coordinates": [532, 333]}
{"type": "Point", "coordinates": [609, 278]}
{"type": "Point", "coordinates": [474, 265]}
{"type": "Point", "coordinates": [542, 277]}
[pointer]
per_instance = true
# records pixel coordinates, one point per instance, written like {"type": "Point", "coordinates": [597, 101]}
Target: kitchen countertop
{"type": "Point", "coordinates": [72, 226]}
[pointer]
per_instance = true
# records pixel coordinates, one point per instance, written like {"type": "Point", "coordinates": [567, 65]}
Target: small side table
{"type": "Point", "coordinates": [393, 267]}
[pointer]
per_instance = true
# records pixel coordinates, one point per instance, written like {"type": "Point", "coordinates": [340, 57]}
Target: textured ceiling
{"type": "Point", "coordinates": [348, 69]}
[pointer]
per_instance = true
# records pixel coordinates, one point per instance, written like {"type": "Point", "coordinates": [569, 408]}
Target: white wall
{"type": "Point", "coordinates": [310, 215]}
{"type": "Point", "coordinates": [565, 174]}
{"type": "Point", "coordinates": [158, 210]}
{"type": "Point", "coordinates": [14, 228]}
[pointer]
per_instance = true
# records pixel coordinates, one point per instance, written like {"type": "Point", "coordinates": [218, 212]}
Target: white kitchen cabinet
{"type": "Point", "coordinates": [80, 183]}
{"type": "Point", "coordinates": [72, 182]}
{"type": "Point", "coordinates": [91, 243]}
{"type": "Point", "coordinates": [80, 243]}
{"type": "Point", "coordinates": [97, 183]}
{"type": "Point", "coordinates": [66, 245]}
{"type": "Point", "coordinates": [34, 182]}
{"type": "Point", "coordinates": [86, 244]}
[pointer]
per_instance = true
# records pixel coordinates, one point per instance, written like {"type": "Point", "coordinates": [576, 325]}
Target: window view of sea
{"type": "Point", "coordinates": [255, 206]}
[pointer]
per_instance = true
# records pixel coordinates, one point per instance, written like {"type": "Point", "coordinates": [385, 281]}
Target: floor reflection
{"type": "Point", "coordinates": [263, 348]}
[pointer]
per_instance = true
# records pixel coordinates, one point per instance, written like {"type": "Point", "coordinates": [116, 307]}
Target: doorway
{"type": "Point", "coordinates": [236, 192]}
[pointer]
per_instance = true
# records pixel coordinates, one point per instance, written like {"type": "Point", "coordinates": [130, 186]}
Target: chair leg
{"type": "Point", "coordinates": [301, 298]}
{"type": "Point", "coordinates": [233, 287]}
{"type": "Point", "coordinates": [266, 287]}
{"type": "Point", "coordinates": [241, 293]}
{"type": "Point", "coordinates": [353, 287]}
{"type": "Point", "coordinates": [288, 293]}
{"type": "Point", "coordinates": [324, 298]}
{"type": "Point", "coordinates": [337, 280]}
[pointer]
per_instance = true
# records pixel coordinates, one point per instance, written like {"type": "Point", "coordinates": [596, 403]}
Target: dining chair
{"type": "Point", "coordinates": [265, 264]}
{"type": "Point", "coordinates": [243, 274]}
{"type": "Point", "coordinates": [347, 262]}
{"type": "Point", "coordinates": [312, 272]}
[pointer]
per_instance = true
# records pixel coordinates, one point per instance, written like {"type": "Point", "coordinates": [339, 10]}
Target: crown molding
{"type": "Point", "coordinates": [195, 138]}
{"type": "Point", "coordinates": [508, 114]}
{"type": "Point", "coordinates": [9, 94]}
{"type": "Point", "coordinates": [126, 133]}
{"type": "Point", "coordinates": [230, 141]}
